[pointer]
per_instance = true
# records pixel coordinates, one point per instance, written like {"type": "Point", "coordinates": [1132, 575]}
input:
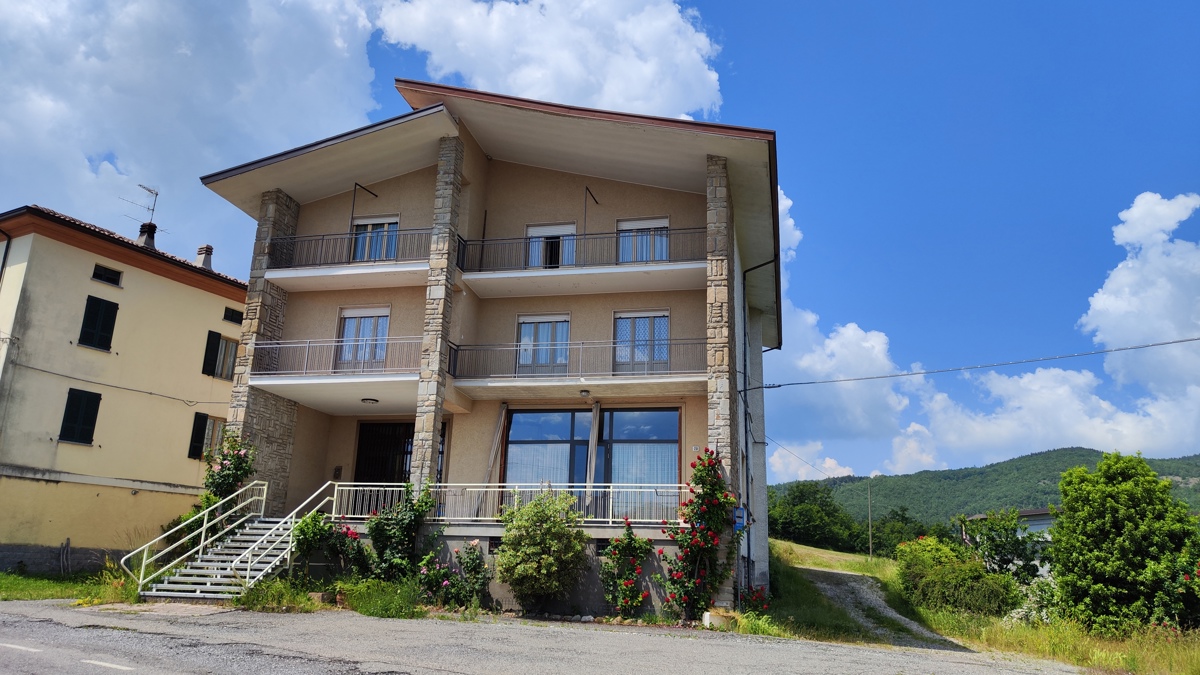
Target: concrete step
{"type": "Point", "coordinates": [173, 595]}
{"type": "Point", "coordinates": [230, 589]}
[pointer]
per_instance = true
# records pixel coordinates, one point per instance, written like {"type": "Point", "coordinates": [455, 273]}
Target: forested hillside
{"type": "Point", "coordinates": [1026, 482]}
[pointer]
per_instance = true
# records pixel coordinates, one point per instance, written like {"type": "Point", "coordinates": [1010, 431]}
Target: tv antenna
{"type": "Point", "coordinates": [153, 203]}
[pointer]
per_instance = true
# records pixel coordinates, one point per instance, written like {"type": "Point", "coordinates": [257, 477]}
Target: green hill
{"type": "Point", "coordinates": [1027, 482]}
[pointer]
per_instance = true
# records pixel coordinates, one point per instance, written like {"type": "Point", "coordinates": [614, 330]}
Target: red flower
{"type": "Point", "coordinates": [637, 570]}
{"type": "Point", "coordinates": [660, 551]}
{"type": "Point", "coordinates": [671, 596]}
{"type": "Point", "coordinates": [1186, 577]}
{"type": "Point", "coordinates": [645, 594]}
{"type": "Point", "coordinates": [764, 606]}
{"type": "Point", "coordinates": [664, 522]}
{"type": "Point", "coordinates": [627, 582]}
{"type": "Point", "coordinates": [685, 599]}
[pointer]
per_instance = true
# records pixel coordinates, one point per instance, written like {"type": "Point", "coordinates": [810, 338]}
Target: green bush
{"type": "Point", "coordinates": [544, 552]}
{"type": "Point", "coordinates": [385, 599]}
{"type": "Point", "coordinates": [967, 586]}
{"type": "Point", "coordinates": [394, 535]}
{"type": "Point", "coordinates": [1005, 544]}
{"type": "Point", "coordinates": [1120, 548]}
{"type": "Point", "coordinates": [346, 554]}
{"type": "Point", "coordinates": [228, 465]}
{"type": "Point", "coordinates": [919, 557]}
{"type": "Point", "coordinates": [476, 576]}
{"type": "Point", "coordinates": [276, 595]}
{"type": "Point", "coordinates": [621, 569]}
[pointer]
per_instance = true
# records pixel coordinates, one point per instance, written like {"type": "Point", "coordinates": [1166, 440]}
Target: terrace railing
{"type": "Point", "coordinates": [349, 248]}
{"type": "Point", "coordinates": [338, 357]}
{"type": "Point", "coordinates": [631, 247]}
{"type": "Point", "coordinates": [580, 359]}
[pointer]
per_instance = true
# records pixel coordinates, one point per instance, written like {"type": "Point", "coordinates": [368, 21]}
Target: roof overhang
{"type": "Point", "coordinates": [331, 166]}
{"type": "Point", "coordinates": [655, 151]}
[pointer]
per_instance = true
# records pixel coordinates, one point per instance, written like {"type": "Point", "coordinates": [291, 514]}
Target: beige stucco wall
{"type": "Point", "coordinates": [91, 516]}
{"type": "Point", "coordinates": [520, 195]}
{"type": "Point", "coordinates": [591, 315]}
{"type": "Point", "coordinates": [469, 443]}
{"type": "Point", "coordinates": [158, 346]}
{"type": "Point", "coordinates": [464, 317]}
{"type": "Point", "coordinates": [410, 195]}
{"type": "Point", "coordinates": [314, 315]}
{"type": "Point", "coordinates": [476, 170]}
{"type": "Point", "coordinates": [309, 447]}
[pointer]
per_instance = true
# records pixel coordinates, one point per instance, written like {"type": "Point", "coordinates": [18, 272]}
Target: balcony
{"type": "Point", "coordinates": [377, 259]}
{"type": "Point", "coordinates": [367, 376]}
{"type": "Point", "coordinates": [659, 259]}
{"type": "Point", "coordinates": [604, 368]}
{"type": "Point", "coordinates": [599, 504]}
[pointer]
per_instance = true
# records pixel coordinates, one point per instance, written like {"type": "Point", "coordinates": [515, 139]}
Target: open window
{"type": "Point", "coordinates": [550, 246]}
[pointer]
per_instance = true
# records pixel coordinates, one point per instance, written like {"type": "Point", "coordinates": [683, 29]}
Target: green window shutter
{"type": "Point", "coordinates": [211, 349]}
{"type": "Point", "coordinates": [199, 428]}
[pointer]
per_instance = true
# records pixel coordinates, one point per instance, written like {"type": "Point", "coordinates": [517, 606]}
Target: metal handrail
{"type": "Point", "coordinates": [249, 579]}
{"type": "Point", "coordinates": [598, 503]}
{"type": "Point", "coordinates": [615, 358]}
{"type": "Point", "coordinates": [337, 356]}
{"type": "Point", "coordinates": [623, 247]}
{"type": "Point", "coordinates": [349, 248]}
{"type": "Point", "coordinates": [258, 492]}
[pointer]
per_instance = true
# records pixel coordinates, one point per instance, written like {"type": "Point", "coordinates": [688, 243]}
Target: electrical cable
{"type": "Point", "coordinates": [185, 401]}
{"type": "Point", "coordinates": [784, 448]}
{"type": "Point", "coordinates": [978, 367]}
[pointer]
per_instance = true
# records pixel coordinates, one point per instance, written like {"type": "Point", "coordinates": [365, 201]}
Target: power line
{"type": "Point", "coordinates": [1039, 359]}
{"type": "Point", "coordinates": [783, 448]}
{"type": "Point", "coordinates": [187, 402]}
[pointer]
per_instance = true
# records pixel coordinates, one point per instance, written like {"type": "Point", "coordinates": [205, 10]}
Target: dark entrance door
{"type": "Point", "coordinates": [384, 452]}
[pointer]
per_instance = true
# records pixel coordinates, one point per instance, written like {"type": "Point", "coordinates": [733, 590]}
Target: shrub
{"type": "Point", "coordinates": [229, 465]}
{"type": "Point", "coordinates": [276, 595]}
{"type": "Point", "coordinates": [394, 535]}
{"type": "Point", "coordinates": [340, 544]}
{"type": "Point", "coordinates": [620, 571]}
{"type": "Point", "coordinates": [444, 586]}
{"type": "Point", "coordinates": [1005, 544]}
{"type": "Point", "coordinates": [698, 569]}
{"type": "Point", "coordinates": [921, 556]}
{"type": "Point", "coordinates": [1120, 546]}
{"type": "Point", "coordinates": [967, 586]}
{"type": "Point", "coordinates": [476, 576]}
{"type": "Point", "coordinates": [544, 552]}
{"type": "Point", "coordinates": [384, 599]}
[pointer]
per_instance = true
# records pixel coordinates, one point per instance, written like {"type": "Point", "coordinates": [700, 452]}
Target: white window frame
{"type": "Point", "coordinates": [627, 239]}
{"type": "Point", "coordinates": [559, 356]}
{"type": "Point", "coordinates": [535, 244]}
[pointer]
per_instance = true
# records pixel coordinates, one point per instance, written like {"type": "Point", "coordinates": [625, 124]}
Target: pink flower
{"type": "Point", "coordinates": [445, 583]}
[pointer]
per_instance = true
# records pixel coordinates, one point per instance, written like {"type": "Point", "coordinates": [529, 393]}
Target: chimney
{"type": "Point", "coordinates": [146, 235]}
{"type": "Point", "coordinates": [204, 257]}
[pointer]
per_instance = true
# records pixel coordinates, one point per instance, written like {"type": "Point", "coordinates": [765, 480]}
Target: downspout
{"type": "Point", "coordinates": [4, 260]}
{"type": "Point", "coordinates": [746, 432]}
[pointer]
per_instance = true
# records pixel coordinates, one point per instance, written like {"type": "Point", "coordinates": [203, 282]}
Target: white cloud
{"type": "Point", "coordinates": [804, 462]}
{"type": "Point", "coordinates": [1152, 296]}
{"type": "Point", "coordinates": [789, 234]}
{"type": "Point", "coordinates": [103, 96]}
{"type": "Point", "coordinates": [913, 450]}
{"type": "Point", "coordinates": [642, 56]}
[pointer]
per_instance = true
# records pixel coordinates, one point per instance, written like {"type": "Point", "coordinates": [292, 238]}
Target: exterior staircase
{"type": "Point", "coordinates": [210, 576]}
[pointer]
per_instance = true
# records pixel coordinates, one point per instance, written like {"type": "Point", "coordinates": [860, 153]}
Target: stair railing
{"type": "Point", "coordinates": [275, 548]}
{"type": "Point", "coordinates": [215, 522]}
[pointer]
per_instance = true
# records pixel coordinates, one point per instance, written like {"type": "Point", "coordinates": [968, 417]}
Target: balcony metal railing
{"type": "Point", "coordinates": [338, 357]}
{"type": "Point", "coordinates": [630, 247]}
{"type": "Point", "coordinates": [349, 248]}
{"type": "Point", "coordinates": [631, 358]}
{"type": "Point", "coordinates": [606, 503]}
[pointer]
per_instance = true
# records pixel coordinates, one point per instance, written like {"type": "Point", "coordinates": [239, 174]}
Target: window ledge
{"type": "Point", "coordinates": [80, 443]}
{"type": "Point", "coordinates": [95, 349]}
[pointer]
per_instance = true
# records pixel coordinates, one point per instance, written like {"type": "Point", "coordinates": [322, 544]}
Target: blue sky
{"type": "Point", "coordinates": [956, 171]}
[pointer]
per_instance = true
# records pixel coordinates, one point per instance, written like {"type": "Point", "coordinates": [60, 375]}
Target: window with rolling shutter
{"type": "Point", "coordinates": [79, 418]}
{"type": "Point", "coordinates": [99, 320]}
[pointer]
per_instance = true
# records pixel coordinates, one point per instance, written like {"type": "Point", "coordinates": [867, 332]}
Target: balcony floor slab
{"type": "Point", "coordinates": [344, 394]}
{"type": "Point", "coordinates": [350, 276]}
{"type": "Point", "coordinates": [676, 276]}
{"type": "Point", "coordinates": [688, 384]}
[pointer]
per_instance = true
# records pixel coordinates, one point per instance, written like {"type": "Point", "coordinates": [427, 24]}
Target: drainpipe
{"type": "Point", "coordinates": [4, 261]}
{"type": "Point", "coordinates": [746, 432]}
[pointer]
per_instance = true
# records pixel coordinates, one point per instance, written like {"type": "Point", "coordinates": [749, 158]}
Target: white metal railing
{"type": "Point", "coordinates": [337, 357]}
{"type": "Point", "coordinates": [215, 522]}
{"type": "Point", "coordinates": [607, 503]}
{"type": "Point", "coordinates": [359, 501]}
{"type": "Point", "coordinates": [262, 556]}
{"type": "Point", "coordinates": [602, 358]}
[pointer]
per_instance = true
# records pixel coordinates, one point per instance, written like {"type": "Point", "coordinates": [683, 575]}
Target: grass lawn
{"type": "Point", "coordinates": [108, 585]}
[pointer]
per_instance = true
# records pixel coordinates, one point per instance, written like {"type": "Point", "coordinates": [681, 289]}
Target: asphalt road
{"type": "Point", "coordinates": [53, 637]}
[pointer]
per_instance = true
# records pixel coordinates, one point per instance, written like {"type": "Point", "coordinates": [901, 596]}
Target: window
{"type": "Point", "coordinates": [220, 355]}
{"type": "Point", "coordinates": [107, 275]}
{"type": "Point", "coordinates": [79, 418]}
{"type": "Point", "coordinates": [550, 246]}
{"type": "Point", "coordinates": [639, 447]}
{"type": "Point", "coordinates": [362, 339]}
{"type": "Point", "coordinates": [545, 446]}
{"type": "Point", "coordinates": [233, 316]}
{"type": "Point", "coordinates": [207, 434]}
{"type": "Point", "coordinates": [543, 345]}
{"type": "Point", "coordinates": [374, 240]}
{"type": "Point", "coordinates": [642, 240]}
{"type": "Point", "coordinates": [641, 342]}
{"type": "Point", "coordinates": [99, 319]}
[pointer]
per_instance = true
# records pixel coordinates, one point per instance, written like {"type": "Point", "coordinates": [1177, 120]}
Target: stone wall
{"type": "Point", "coordinates": [439, 291]}
{"type": "Point", "coordinates": [266, 420]}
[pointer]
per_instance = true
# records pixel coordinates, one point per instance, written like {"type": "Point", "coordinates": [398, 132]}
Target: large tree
{"type": "Point", "coordinates": [1120, 546]}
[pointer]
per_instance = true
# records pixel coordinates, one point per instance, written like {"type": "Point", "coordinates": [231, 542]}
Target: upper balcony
{"type": "Point", "coordinates": [657, 259]}
{"type": "Point", "coordinates": [374, 259]}
{"type": "Point", "coordinates": [362, 376]}
{"type": "Point", "coordinates": [564, 369]}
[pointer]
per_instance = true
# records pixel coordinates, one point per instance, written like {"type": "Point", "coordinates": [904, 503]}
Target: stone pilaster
{"type": "Point", "coordinates": [264, 419]}
{"type": "Point", "coordinates": [439, 291]}
{"type": "Point", "coordinates": [722, 431]}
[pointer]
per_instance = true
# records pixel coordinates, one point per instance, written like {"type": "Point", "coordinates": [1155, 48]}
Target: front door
{"type": "Point", "coordinates": [384, 452]}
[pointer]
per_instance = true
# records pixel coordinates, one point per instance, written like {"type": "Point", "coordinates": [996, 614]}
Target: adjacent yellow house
{"type": "Point", "coordinates": [116, 365]}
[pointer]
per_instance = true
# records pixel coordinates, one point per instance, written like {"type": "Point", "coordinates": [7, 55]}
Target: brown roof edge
{"type": "Point", "coordinates": [423, 94]}
{"type": "Point", "coordinates": [114, 238]}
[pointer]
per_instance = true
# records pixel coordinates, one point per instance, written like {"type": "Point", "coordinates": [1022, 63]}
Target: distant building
{"type": "Point", "coordinates": [116, 366]}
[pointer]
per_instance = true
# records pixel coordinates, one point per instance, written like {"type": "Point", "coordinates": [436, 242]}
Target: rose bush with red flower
{"type": "Point", "coordinates": [621, 570]}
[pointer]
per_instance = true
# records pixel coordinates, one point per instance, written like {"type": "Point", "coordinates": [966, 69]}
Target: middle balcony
{"type": "Point", "coordinates": [358, 376]}
{"type": "Point", "coordinates": [559, 262]}
{"type": "Point", "coordinates": [566, 369]}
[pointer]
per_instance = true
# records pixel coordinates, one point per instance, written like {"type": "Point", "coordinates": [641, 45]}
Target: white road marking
{"type": "Point", "coordinates": [24, 649]}
{"type": "Point", "coordinates": [106, 665]}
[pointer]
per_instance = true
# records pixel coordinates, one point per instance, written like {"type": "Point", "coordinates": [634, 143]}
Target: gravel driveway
{"type": "Point", "coordinates": [187, 639]}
